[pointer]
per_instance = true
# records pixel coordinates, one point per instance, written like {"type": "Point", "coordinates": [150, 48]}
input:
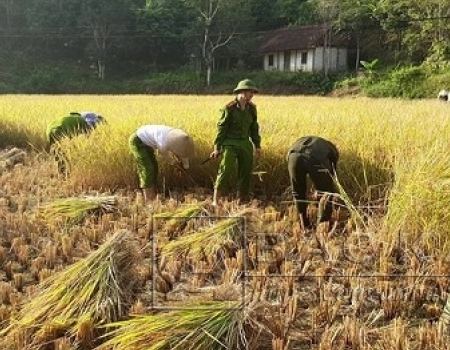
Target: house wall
{"type": "Point", "coordinates": [296, 63]}
{"type": "Point", "coordinates": [333, 58]}
{"type": "Point", "coordinates": [342, 62]}
{"type": "Point", "coordinates": [316, 60]}
{"type": "Point", "coordinates": [277, 61]}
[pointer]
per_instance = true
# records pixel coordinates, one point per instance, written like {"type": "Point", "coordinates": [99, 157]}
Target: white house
{"type": "Point", "coordinates": [304, 48]}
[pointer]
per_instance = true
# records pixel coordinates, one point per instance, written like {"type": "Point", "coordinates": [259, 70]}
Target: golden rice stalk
{"type": "Point", "coordinates": [209, 326]}
{"type": "Point", "coordinates": [100, 288]}
{"type": "Point", "coordinates": [207, 241]}
{"type": "Point", "coordinates": [74, 210]}
{"type": "Point", "coordinates": [175, 222]}
{"type": "Point", "coordinates": [444, 320]}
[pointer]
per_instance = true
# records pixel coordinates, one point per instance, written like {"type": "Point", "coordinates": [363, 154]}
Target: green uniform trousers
{"type": "Point", "coordinates": [236, 152]}
{"type": "Point", "coordinates": [301, 165]}
{"type": "Point", "coordinates": [147, 166]}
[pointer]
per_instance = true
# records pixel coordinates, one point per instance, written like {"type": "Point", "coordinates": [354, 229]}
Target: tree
{"type": "Point", "coordinates": [354, 16]}
{"type": "Point", "coordinates": [327, 11]}
{"type": "Point", "coordinates": [12, 13]}
{"type": "Point", "coordinates": [99, 21]}
{"type": "Point", "coordinates": [102, 20]}
{"type": "Point", "coordinates": [300, 12]}
{"type": "Point", "coordinates": [423, 24]}
{"type": "Point", "coordinates": [164, 25]}
{"type": "Point", "coordinates": [217, 24]}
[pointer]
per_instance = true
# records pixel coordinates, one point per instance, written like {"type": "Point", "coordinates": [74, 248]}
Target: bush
{"type": "Point", "coordinates": [405, 82]}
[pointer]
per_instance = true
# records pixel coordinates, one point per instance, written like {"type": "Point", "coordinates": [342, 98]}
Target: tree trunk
{"type": "Point", "coordinates": [358, 49]}
{"type": "Point", "coordinates": [9, 14]}
{"type": "Point", "coordinates": [101, 68]}
{"type": "Point", "coordinates": [209, 67]}
{"type": "Point", "coordinates": [208, 75]}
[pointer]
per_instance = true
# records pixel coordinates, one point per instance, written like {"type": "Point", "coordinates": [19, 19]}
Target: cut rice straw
{"type": "Point", "coordinates": [75, 209]}
{"type": "Point", "coordinates": [209, 240]}
{"type": "Point", "coordinates": [100, 288]}
{"type": "Point", "coordinates": [216, 326]}
{"type": "Point", "coordinates": [175, 222]}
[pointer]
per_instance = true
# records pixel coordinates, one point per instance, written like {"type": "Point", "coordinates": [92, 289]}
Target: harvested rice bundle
{"type": "Point", "coordinates": [73, 210]}
{"type": "Point", "coordinates": [207, 241]}
{"type": "Point", "coordinates": [215, 326]}
{"type": "Point", "coordinates": [175, 222]}
{"type": "Point", "coordinates": [96, 290]}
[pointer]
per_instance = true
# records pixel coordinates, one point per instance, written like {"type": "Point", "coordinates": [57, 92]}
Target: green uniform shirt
{"type": "Point", "coordinates": [236, 123]}
{"type": "Point", "coordinates": [70, 125]}
{"type": "Point", "coordinates": [318, 150]}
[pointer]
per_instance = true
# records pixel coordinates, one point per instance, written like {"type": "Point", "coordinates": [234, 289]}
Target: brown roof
{"type": "Point", "coordinates": [297, 38]}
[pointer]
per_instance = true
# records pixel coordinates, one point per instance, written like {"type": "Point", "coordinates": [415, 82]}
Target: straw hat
{"type": "Point", "coordinates": [180, 143]}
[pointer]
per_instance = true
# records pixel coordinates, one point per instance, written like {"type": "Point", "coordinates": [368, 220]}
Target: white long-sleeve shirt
{"type": "Point", "coordinates": [155, 137]}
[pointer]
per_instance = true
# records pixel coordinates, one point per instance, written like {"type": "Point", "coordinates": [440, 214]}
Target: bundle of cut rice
{"type": "Point", "coordinates": [74, 210]}
{"type": "Point", "coordinates": [216, 326]}
{"type": "Point", "coordinates": [74, 302]}
{"type": "Point", "coordinates": [175, 222]}
{"type": "Point", "coordinates": [227, 233]}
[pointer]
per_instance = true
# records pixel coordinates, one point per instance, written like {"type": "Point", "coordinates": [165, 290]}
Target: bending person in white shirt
{"type": "Point", "coordinates": [167, 140]}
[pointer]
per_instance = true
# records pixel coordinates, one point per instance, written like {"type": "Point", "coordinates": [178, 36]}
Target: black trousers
{"type": "Point", "coordinates": [299, 167]}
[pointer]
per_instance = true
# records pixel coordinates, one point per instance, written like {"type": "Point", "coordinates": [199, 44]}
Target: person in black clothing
{"type": "Point", "coordinates": [316, 157]}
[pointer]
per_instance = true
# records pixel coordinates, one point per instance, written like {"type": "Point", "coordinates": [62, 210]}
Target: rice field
{"type": "Point", "coordinates": [85, 264]}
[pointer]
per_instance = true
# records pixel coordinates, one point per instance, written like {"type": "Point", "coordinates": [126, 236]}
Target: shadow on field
{"type": "Point", "coordinates": [365, 181]}
{"type": "Point", "coordinates": [16, 135]}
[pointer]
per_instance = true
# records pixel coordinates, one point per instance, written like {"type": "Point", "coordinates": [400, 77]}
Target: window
{"type": "Point", "coordinates": [304, 58]}
{"type": "Point", "coordinates": [270, 60]}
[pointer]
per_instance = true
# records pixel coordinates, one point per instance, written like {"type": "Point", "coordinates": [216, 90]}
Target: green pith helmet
{"type": "Point", "coordinates": [245, 84]}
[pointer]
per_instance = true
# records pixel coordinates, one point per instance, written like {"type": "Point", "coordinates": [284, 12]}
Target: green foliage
{"type": "Point", "coordinates": [437, 82]}
{"type": "Point", "coordinates": [370, 67]}
{"type": "Point", "coordinates": [406, 82]}
{"type": "Point", "coordinates": [173, 82]}
{"type": "Point", "coordinates": [19, 74]}
{"type": "Point", "coordinates": [439, 58]}
{"type": "Point", "coordinates": [286, 83]}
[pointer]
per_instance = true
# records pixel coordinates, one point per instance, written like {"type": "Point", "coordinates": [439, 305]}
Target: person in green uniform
{"type": "Point", "coordinates": [316, 157]}
{"type": "Point", "coordinates": [174, 145]}
{"type": "Point", "coordinates": [74, 124]}
{"type": "Point", "coordinates": [237, 138]}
